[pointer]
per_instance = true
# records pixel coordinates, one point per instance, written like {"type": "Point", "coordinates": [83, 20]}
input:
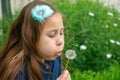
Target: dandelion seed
{"type": "Point", "coordinates": [83, 47]}
{"type": "Point", "coordinates": [118, 43]}
{"type": "Point", "coordinates": [115, 24]}
{"type": "Point", "coordinates": [110, 14]}
{"type": "Point", "coordinates": [91, 14]}
{"type": "Point", "coordinates": [112, 41]}
{"type": "Point", "coordinates": [108, 55]}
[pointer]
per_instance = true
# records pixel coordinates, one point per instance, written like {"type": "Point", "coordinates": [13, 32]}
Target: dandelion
{"type": "Point", "coordinates": [112, 41]}
{"type": "Point", "coordinates": [91, 14]}
{"type": "Point", "coordinates": [118, 43]}
{"type": "Point", "coordinates": [115, 24]}
{"type": "Point", "coordinates": [108, 55]}
{"type": "Point", "coordinates": [110, 14]}
{"type": "Point", "coordinates": [70, 54]}
{"type": "Point", "coordinates": [83, 47]}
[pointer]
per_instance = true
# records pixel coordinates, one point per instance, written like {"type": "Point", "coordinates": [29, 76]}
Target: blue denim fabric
{"type": "Point", "coordinates": [50, 71]}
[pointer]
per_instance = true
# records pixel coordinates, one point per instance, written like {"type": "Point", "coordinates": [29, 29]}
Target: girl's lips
{"type": "Point", "coordinates": [59, 53]}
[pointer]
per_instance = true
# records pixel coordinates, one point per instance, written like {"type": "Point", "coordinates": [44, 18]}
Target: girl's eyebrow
{"type": "Point", "coordinates": [55, 30]}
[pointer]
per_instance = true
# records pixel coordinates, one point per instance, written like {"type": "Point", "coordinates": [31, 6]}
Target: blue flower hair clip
{"type": "Point", "coordinates": [40, 12]}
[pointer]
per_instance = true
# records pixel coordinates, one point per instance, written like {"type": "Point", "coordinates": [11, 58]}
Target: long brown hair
{"type": "Point", "coordinates": [20, 47]}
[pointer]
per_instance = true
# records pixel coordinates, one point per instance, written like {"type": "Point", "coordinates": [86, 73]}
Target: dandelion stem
{"type": "Point", "coordinates": [66, 64]}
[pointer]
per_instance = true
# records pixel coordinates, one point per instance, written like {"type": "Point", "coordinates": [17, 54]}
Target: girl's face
{"type": "Point", "coordinates": [51, 41]}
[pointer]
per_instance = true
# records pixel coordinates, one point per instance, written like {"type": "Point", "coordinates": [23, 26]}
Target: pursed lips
{"type": "Point", "coordinates": [59, 53]}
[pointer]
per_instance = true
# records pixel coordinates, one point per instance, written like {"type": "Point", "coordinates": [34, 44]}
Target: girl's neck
{"type": "Point", "coordinates": [40, 60]}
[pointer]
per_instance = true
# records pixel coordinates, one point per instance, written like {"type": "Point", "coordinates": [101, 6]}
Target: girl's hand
{"type": "Point", "coordinates": [64, 76]}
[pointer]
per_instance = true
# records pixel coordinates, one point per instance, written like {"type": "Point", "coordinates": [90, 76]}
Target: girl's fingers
{"type": "Point", "coordinates": [67, 76]}
{"type": "Point", "coordinates": [64, 76]}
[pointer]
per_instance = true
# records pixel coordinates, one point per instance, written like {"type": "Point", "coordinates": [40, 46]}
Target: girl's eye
{"type": "Point", "coordinates": [52, 34]}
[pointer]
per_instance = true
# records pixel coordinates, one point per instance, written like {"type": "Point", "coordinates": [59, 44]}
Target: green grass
{"type": "Point", "coordinates": [4, 26]}
{"type": "Point", "coordinates": [112, 73]}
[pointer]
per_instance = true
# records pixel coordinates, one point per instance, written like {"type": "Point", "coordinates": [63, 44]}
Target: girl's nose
{"type": "Point", "coordinates": [59, 41]}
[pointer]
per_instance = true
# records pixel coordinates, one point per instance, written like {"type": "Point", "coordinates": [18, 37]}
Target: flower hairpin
{"type": "Point", "coordinates": [70, 54]}
{"type": "Point", "coordinates": [41, 12]}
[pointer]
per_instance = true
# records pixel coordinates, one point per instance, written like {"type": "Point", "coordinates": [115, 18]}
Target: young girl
{"type": "Point", "coordinates": [34, 45]}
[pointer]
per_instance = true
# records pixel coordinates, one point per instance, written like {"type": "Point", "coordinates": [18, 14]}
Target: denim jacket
{"type": "Point", "coordinates": [51, 70]}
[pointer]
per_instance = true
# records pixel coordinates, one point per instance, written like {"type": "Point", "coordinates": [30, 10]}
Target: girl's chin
{"type": "Point", "coordinates": [51, 59]}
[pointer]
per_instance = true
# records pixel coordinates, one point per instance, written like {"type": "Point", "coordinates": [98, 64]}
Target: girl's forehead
{"type": "Point", "coordinates": [55, 21]}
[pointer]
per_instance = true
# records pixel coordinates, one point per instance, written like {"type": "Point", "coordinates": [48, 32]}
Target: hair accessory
{"type": "Point", "coordinates": [40, 12]}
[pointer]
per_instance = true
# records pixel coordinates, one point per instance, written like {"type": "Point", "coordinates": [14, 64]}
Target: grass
{"type": "Point", "coordinates": [112, 73]}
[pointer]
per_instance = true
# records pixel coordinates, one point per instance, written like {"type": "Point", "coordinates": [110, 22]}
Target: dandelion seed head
{"type": "Point", "coordinates": [91, 14]}
{"type": "Point", "coordinates": [118, 43]}
{"type": "Point", "coordinates": [108, 55]}
{"type": "Point", "coordinates": [83, 47]}
{"type": "Point", "coordinates": [110, 13]}
{"type": "Point", "coordinates": [112, 41]}
{"type": "Point", "coordinates": [70, 54]}
{"type": "Point", "coordinates": [115, 24]}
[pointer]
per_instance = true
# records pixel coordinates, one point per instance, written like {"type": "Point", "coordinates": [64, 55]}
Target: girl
{"type": "Point", "coordinates": [34, 45]}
